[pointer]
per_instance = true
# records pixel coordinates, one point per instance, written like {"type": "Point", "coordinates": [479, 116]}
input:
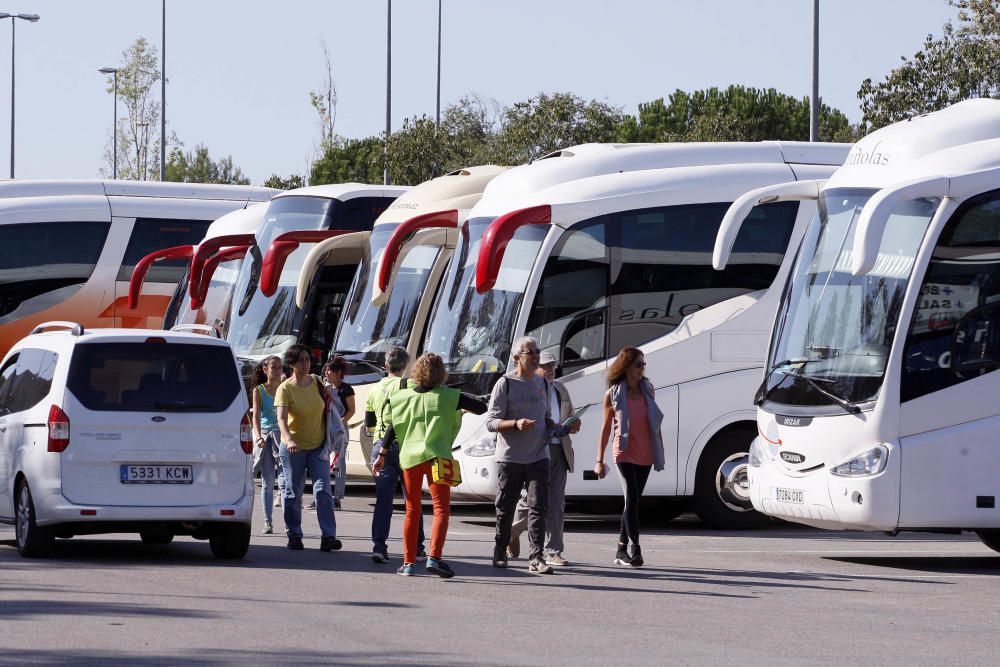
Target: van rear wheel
{"type": "Point", "coordinates": [990, 538]}
{"type": "Point", "coordinates": [721, 492]}
{"type": "Point", "coordinates": [32, 540]}
{"type": "Point", "coordinates": [231, 541]}
{"type": "Point", "coordinates": [156, 538]}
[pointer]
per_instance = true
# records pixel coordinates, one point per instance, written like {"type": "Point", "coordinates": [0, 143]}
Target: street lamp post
{"type": "Point", "coordinates": [13, 21]}
{"type": "Point", "coordinates": [814, 98]}
{"type": "Point", "coordinates": [388, 90]}
{"type": "Point", "coordinates": [114, 122]}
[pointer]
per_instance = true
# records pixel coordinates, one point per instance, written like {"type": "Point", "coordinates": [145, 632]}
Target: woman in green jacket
{"type": "Point", "coordinates": [425, 420]}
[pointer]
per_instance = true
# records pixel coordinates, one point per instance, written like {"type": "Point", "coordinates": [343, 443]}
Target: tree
{"type": "Point", "coordinates": [961, 64]}
{"type": "Point", "coordinates": [198, 167]}
{"type": "Point", "coordinates": [292, 182]}
{"type": "Point", "coordinates": [138, 139]}
{"type": "Point", "coordinates": [350, 160]}
{"type": "Point", "coordinates": [421, 150]}
{"type": "Point", "coordinates": [325, 103]}
{"type": "Point", "coordinates": [542, 124]}
{"type": "Point", "coordinates": [737, 113]}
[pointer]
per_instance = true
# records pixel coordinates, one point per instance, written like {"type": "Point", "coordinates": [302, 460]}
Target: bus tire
{"type": "Point", "coordinates": [32, 540]}
{"type": "Point", "coordinates": [721, 496]}
{"type": "Point", "coordinates": [230, 541]}
{"type": "Point", "coordinates": [990, 538]}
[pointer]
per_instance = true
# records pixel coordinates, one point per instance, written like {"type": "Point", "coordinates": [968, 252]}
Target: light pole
{"type": "Point", "coordinates": [814, 98]}
{"type": "Point", "coordinates": [163, 94]}
{"type": "Point", "coordinates": [13, 21]}
{"type": "Point", "coordinates": [437, 113]}
{"type": "Point", "coordinates": [114, 122]}
{"type": "Point", "coordinates": [388, 89]}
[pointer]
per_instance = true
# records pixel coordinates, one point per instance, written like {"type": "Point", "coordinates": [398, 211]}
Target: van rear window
{"type": "Point", "coordinates": [154, 377]}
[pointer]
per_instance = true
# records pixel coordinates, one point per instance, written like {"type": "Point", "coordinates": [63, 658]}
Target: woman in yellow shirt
{"type": "Point", "coordinates": [300, 404]}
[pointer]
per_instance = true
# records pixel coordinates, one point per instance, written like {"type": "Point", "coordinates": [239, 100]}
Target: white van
{"type": "Point", "coordinates": [124, 430]}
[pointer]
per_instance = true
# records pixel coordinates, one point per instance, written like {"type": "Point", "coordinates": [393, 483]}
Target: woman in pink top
{"type": "Point", "coordinates": [630, 411]}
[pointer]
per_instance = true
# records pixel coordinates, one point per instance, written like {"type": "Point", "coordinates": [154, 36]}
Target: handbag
{"type": "Point", "coordinates": [445, 471]}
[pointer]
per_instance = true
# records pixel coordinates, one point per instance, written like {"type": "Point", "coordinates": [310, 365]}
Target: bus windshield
{"type": "Point", "coordinates": [218, 299]}
{"type": "Point", "coordinates": [367, 331]}
{"type": "Point", "coordinates": [473, 332]}
{"type": "Point", "coordinates": [833, 330]}
{"type": "Point", "coordinates": [260, 325]}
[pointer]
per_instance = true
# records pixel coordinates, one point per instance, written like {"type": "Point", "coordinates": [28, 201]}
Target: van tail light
{"type": "Point", "coordinates": [58, 429]}
{"type": "Point", "coordinates": [246, 434]}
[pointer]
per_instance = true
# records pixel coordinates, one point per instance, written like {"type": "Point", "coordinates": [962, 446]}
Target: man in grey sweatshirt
{"type": "Point", "coordinates": [520, 416]}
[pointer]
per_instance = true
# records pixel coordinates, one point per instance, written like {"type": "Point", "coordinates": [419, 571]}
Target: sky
{"type": "Point", "coordinates": [240, 71]}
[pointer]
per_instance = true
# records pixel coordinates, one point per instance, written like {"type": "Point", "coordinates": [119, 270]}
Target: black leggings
{"type": "Point", "coordinates": [633, 482]}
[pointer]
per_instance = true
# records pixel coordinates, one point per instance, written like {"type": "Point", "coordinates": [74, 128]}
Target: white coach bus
{"type": "Point", "coordinates": [68, 248]}
{"type": "Point", "coordinates": [598, 247]}
{"type": "Point", "coordinates": [216, 261]}
{"type": "Point", "coordinates": [878, 409]}
{"type": "Point", "coordinates": [264, 318]}
{"type": "Point", "coordinates": [390, 299]}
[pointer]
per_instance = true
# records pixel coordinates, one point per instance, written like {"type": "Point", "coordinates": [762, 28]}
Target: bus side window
{"type": "Point", "coordinates": [661, 264]}
{"type": "Point", "coordinates": [41, 257]}
{"type": "Point", "coordinates": [152, 234]}
{"type": "Point", "coordinates": [568, 316]}
{"type": "Point", "coordinates": [963, 274]}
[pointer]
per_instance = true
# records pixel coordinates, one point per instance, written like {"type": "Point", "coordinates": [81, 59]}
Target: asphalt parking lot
{"type": "Point", "coordinates": [781, 596]}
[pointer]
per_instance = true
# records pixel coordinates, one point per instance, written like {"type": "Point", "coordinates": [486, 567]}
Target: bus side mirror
{"type": "Point", "coordinates": [975, 344]}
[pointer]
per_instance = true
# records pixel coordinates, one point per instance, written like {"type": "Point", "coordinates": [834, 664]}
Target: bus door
{"type": "Point", "coordinates": [324, 281]}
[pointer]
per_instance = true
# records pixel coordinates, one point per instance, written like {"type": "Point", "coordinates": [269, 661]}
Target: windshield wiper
{"type": "Point", "coordinates": [763, 391]}
{"type": "Point", "coordinates": [181, 407]}
{"type": "Point", "coordinates": [839, 400]}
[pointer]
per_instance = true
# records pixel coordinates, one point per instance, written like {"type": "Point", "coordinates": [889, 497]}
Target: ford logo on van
{"type": "Point", "coordinates": [159, 419]}
{"type": "Point", "coordinates": [792, 457]}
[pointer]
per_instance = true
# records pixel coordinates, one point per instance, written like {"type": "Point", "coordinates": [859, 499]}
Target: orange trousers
{"type": "Point", "coordinates": [413, 481]}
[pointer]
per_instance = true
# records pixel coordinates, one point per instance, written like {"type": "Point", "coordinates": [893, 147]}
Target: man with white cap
{"type": "Point", "coordinates": [560, 464]}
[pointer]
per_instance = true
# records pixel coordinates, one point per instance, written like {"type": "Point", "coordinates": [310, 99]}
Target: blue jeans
{"type": "Point", "coordinates": [269, 467]}
{"type": "Point", "coordinates": [317, 462]}
{"type": "Point", "coordinates": [385, 492]}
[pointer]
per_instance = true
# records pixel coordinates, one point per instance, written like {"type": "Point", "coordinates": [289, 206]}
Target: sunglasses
{"type": "Point", "coordinates": [532, 352]}
{"type": "Point", "coordinates": [639, 364]}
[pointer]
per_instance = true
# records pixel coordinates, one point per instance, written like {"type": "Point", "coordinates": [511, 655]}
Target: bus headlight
{"type": "Point", "coordinates": [758, 454]}
{"type": "Point", "coordinates": [869, 463]}
{"type": "Point", "coordinates": [486, 446]}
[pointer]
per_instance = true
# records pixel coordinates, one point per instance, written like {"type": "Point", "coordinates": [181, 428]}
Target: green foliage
{"type": "Point", "coordinates": [420, 150]}
{"type": "Point", "coordinates": [349, 161]}
{"type": "Point", "coordinates": [138, 132]}
{"type": "Point", "coordinates": [474, 131]}
{"type": "Point", "coordinates": [547, 123]}
{"type": "Point", "coordinates": [958, 65]}
{"type": "Point", "coordinates": [737, 113]}
{"type": "Point", "coordinates": [292, 182]}
{"type": "Point", "coordinates": [198, 167]}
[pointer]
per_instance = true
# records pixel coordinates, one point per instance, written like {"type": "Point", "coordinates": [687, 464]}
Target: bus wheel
{"type": "Point", "coordinates": [990, 538]}
{"type": "Point", "coordinates": [721, 490]}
